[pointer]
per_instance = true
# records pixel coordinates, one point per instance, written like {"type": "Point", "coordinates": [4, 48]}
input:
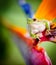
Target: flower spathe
{"type": "Point", "coordinates": [39, 57]}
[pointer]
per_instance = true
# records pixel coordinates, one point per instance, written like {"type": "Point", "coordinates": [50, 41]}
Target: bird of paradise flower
{"type": "Point", "coordinates": [37, 55]}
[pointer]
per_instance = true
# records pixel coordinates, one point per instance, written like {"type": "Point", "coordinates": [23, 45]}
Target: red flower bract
{"type": "Point", "coordinates": [39, 57]}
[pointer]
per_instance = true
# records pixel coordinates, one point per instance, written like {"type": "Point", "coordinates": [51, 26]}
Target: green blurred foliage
{"type": "Point", "coordinates": [9, 53]}
{"type": "Point", "coordinates": [5, 5]}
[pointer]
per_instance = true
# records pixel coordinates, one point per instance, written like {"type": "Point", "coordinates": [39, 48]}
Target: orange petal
{"type": "Point", "coordinates": [20, 32]}
{"type": "Point", "coordinates": [47, 10]}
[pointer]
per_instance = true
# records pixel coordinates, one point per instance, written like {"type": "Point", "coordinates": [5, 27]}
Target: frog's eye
{"type": "Point", "coordinates": [34, 19]}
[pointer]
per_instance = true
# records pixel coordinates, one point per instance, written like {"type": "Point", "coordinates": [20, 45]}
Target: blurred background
{"type": "Point", "coordinates": [9, 51]}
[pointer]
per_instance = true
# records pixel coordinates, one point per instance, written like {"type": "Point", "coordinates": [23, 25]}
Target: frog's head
{"type": "Point", "coordinates": [31, 20]}
{"type": "Point", "coordinates": [36, 25]}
